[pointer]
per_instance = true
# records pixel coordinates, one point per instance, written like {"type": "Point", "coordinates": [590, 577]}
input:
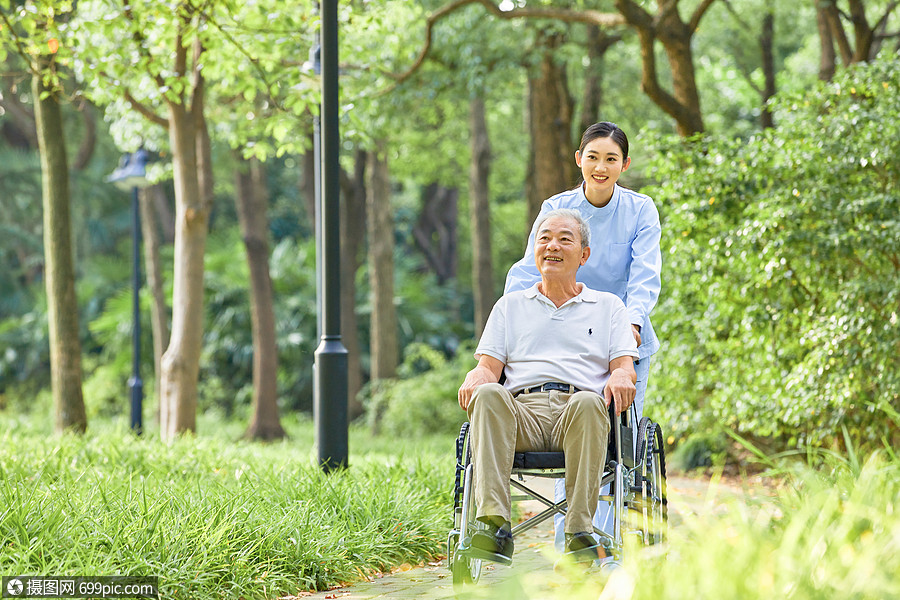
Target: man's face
{"type": "Point", "coordinates": [557, 248]}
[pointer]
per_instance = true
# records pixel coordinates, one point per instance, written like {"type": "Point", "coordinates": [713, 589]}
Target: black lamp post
{"type": "Point", "coordinates": [330, 384]}
{"type": "Point", "coordinates": [132, 175]}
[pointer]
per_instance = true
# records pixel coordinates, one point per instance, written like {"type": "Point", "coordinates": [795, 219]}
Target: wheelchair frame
{"type": "Point", "coordinates": [637, 491]}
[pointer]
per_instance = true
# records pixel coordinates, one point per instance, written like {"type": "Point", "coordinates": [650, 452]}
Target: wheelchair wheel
{"type": "Point", "coordinates": [464, 569]}
{"type": "Point", "coordinates": [653, 502]}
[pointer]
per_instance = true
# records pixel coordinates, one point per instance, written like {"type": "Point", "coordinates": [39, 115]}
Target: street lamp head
{"type": "Point", "coordinates": [131, 172]}
{"type": "Point", "coordinates": [314, 62]}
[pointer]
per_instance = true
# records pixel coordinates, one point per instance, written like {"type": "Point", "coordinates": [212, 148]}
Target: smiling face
{"type": "Point", "coordinates": [601, 165]}
{"type": "Point", "coordinates": [557, 248]}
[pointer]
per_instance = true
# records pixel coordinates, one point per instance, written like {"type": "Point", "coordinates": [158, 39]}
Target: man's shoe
{"type": "Point", "coordinates": [493, 543]}
{"type": "Point", "coordinates": [583, 548]}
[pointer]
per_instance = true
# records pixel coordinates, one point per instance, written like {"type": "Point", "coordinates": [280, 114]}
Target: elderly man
{"type": "Point", "coordinates": [566, 351]}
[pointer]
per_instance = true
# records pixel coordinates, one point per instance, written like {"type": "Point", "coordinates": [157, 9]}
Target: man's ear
{"type": "Point", "coordinates": [585, 254]}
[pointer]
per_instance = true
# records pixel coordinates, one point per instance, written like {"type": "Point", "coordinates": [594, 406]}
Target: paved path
{"type": "Point", "coordinates": [532, 559]}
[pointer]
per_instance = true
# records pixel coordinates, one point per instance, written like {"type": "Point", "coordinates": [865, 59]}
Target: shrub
{"type": "Point", "coordinates": [781, 256]}
{"type": "Point", "coordinates": [423, 399]}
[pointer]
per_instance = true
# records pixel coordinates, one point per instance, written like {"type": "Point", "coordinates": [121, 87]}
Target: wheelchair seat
{"type": "Point", "coordinates": [635, 473]}
{"type": "Point", "coordinates": [539, 460]}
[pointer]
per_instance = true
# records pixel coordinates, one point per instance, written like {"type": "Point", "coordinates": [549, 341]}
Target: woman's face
{"type": "Point", "coordinates": [601, 164]}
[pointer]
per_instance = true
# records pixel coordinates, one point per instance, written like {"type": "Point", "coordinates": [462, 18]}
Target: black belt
{"type": "Point", "coordinates": [547, 387]}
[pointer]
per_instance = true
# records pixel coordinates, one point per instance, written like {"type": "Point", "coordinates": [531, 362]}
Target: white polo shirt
{"type": "Point", "coordinates": [574, 343]}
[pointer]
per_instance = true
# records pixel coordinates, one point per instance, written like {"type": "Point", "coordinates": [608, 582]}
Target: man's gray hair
{"type": "Point", "coordinates": [568, 213]}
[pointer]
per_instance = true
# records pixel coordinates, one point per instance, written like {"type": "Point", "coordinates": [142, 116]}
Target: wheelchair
{"type": "Point", "coordinates": [636, 476]}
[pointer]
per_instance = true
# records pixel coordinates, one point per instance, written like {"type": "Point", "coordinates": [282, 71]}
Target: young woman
{"type": "Point", "coordinates": [625, 255]}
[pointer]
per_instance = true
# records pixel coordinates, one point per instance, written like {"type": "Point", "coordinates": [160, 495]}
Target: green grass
{"type": "Point", "coordinates": [830, 532]}
{"type": "Point", "coordinates": [215, 517]}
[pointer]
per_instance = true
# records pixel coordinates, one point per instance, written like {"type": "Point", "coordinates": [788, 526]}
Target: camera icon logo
{"type": "Point", "coordinates": [14, 587]}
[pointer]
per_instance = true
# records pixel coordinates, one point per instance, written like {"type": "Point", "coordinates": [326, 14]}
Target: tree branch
{"type": "Point", "coordinates": [139, 40]}
{"type": "Point", "coordinates": [592, 17]}
{"type": "Point", "coordinates": [88, 142]}
{"type": "Point", "coordinates": [197, 86]}
{"type": "Point", "coordinates": [650, 79]}
{"type": "Point", "coordinates": [737, 17]}
{"type": "Point", "coordinates": [664, 8]}
{"type": "Point", "coordinates": [882, 22]}
{"type": "Point", "coordinates": [20, 48]}
{"type": "Point", "coordinates": [22, 117]}
{"type": "Point", "coordinates": [254, 61]}
{"type": "Point", "coordinates": [143, 110]}
{"type": "Point", "coordinates": [748, 76]}
{"type": "Point", "coordinates": [699, 12]}
{"type": "Point", "coordinates": [833, 16]}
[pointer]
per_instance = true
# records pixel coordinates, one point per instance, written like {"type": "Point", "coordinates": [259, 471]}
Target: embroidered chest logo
{"type": "Point", "coordinates": [590, 331]}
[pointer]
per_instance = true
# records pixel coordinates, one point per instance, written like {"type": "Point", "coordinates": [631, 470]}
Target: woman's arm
{"type": "Point", "coordinates": [646, 262]}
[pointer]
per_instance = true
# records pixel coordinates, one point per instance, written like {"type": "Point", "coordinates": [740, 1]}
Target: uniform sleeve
{"type": "Point", "coordinates": [493, 338]}
{"type": "Point", "coordinates": [621, 340]}
{"type": "Point", "coordinates": [524, 273]}
{"type": "Point", "coordinates": [646, 263]}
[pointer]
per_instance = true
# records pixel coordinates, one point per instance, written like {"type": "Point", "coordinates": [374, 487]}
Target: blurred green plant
{"type": "Point", "coordinates": [782, 256]}
{"type": "Point", "coordinates": [706, 449]}
{"type": "Point", "coordinates": [422, 400]}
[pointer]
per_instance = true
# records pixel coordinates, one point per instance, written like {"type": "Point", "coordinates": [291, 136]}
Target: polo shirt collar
{"type": "Point", "coordinates": [585, 295]}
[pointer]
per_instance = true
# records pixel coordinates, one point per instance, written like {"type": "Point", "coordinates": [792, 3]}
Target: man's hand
{"type": "Point", "coordinates": [620, 386]}
{"type": "Point", "coordinates": [487, 371]}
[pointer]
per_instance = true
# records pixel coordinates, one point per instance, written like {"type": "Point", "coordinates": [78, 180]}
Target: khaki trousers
{"type": "Point", "coordinates": [577, 424]}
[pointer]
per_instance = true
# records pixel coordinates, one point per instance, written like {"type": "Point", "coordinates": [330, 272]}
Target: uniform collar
{"type": "Point", "coordinates": [610, 206]}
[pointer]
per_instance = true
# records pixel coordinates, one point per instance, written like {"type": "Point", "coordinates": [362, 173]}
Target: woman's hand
{"type": "Point", "coordinates": [636, 330]}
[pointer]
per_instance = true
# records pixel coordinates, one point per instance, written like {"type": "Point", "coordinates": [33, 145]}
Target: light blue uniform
{"type": "Point", "coordinates": [625, 260]}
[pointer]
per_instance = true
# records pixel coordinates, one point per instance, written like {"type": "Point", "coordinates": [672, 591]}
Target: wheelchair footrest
{"type": "Point", "coordinates": [466, 549]}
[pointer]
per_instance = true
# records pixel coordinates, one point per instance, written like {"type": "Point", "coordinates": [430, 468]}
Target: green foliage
{"type": "Point", "coordinates": [700, 450]}
{"type": "Point", "coordinates": [830, 534]}
{"type": "Point", "coordinates": [813, 533]}
{"type": "Point", "coordinates": [213, 518]}
{"type": "Point", "coordinates": [781, 256]}
{"type": "Point", "coordinates": [422, 401]}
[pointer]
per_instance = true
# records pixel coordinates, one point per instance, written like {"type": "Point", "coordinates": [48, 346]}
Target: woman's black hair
{"type": "Point", "coordinates": [605, 129]}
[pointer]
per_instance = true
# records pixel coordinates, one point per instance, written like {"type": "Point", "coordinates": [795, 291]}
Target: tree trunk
{"type": "Point", "coordinates": [683, 104]}
{"type": "Point", "coordinates": [181, 361]}
{"type": "Point", "coordinates": [833, 17]}
{"type": "Point", "coordinates": [599, 42]}
{"type": "Point", "coordinates": [480, 215]}
{"type": "Point", "coordinates": [550, 121]}
{"type": "Point", "coordinates": [827, 56]}
{"type": "Point", "coordinates": [865, 36]}
{"type": "Point", "coordinates": [162, 207]}
{"type": "Point", "coordinates": [353, 232]}
{"type": "Point", "coordinates": [863, 33]}
{"type": "Point", "coordinates": [89, 141]}
{"type": "Point", "coordinates": [676, 40]}
{"type": "Point", "coordinates": [159, 311]}
{"type": "Point", "coordinates": [435, 232]}
{"type": "Point", "coordinates": [592, 95]}
{"type": "Point", "coordinates": [308, 182]}
{"type": "Point", "coordinates": [17, 126]}
{"type": "Point", "coordinates": [384, 346]}
{"type": "Point", "coordinates": [251, 199]}
{"type": "Point", "coordinates": [59, 271]}
{"type": "Point", "coordinates": [766, 43]}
